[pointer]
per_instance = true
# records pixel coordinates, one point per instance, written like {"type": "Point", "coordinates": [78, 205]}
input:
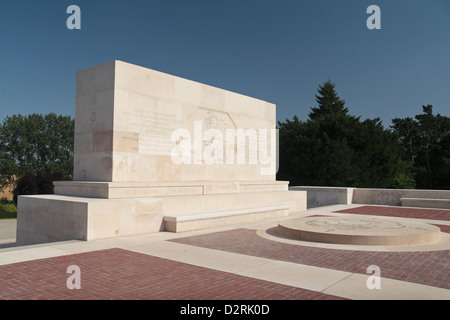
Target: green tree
{"type": "Point", "coordinates": [39, 183]}
{"type": "Point", "coordinates": [376, 162]}
{"type": "Point", "coordinates": [336, 149]}
{"type": "Point", "coordinates": [35, 143]}
{"type": "Point", "coordinates": [407, 130]}
{"type": "Point", "coordinates": [424, 143]}
{"type": "Point", "coordinates": [432, 131]}
{"type": "Point", "coordinates": [329, 102]}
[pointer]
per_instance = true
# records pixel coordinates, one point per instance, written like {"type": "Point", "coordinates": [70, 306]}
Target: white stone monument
{"type": "Point", "coordinates": [155, 152]}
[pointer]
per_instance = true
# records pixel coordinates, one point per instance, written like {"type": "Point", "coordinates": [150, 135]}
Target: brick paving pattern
{"type": "Point", "coordinates": [122, 274]}
{"type": "Point", "coordinates": [430, 268]}
{"type": "Point", "coordinates": [416, 213]}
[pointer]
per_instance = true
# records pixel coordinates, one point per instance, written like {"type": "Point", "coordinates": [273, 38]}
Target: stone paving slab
{"type": "Point", "coordinates": [355, 287]}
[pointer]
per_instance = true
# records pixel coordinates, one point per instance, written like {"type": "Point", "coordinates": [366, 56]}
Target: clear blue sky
{"type": "Point", "coordinates": [278, 50]}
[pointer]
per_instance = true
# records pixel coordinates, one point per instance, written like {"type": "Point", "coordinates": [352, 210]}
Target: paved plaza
{"type": "Point", "coordinates": [241, 262]}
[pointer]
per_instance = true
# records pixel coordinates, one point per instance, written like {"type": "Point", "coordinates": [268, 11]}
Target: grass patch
{"type": "Point", "coordinates": [8, 209]}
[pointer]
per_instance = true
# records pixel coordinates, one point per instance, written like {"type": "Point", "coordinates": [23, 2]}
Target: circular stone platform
{"type": "Point", "coordinates": [359, 231]}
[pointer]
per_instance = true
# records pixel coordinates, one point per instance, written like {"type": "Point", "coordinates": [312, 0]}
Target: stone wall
{"type": "Point", "coordinates": [323, 196]}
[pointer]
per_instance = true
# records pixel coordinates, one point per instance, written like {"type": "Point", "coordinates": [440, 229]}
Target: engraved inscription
{"type": "Point", "coordinates": [155, 129]}
{"type": "Point", "coordinates": [331, 225]}
{"type": "Point", "coordinates": [221, 188]}
{"type": "Point", "coordinates": [126, 141]}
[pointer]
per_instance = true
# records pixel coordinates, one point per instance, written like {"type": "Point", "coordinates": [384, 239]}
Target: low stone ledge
{"type": "Point", "coordinates": [200, 220]}
{"type": "Point", "coordinates": [426, 203]}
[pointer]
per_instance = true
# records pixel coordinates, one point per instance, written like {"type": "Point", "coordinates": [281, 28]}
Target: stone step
{"type": "Point", "coordinates": [201, 220]}
{"type": "Point", "coordinates": [426, 203]}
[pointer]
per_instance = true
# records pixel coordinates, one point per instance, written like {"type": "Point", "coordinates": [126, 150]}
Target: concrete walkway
{"type": "Point", "coordinates": [248, 261]}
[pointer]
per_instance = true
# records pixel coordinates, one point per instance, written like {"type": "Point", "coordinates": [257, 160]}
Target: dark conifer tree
{"type": "Point", "coordinates": [328, 101]}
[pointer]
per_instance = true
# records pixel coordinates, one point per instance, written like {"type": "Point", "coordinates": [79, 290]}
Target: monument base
{"type": "Point", "coordinates": [49, 218]}
{"type": "Point", "coordinates": [126, 189]}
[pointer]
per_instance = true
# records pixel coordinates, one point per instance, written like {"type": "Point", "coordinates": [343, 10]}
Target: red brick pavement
{"type": "Point", "coordinates": [121, 274]}
{"type": "Point", "coordinates": [430, 267]}
{"type": "Point", "coordinates": [417, 213]}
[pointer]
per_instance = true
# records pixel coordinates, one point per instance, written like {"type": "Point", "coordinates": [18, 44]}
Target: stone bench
{"type": "Point", "coordinates": [201, 220]}
{"type": "Point", "coordinates": [426, 203]}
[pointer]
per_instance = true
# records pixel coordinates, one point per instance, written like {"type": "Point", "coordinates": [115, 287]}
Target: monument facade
{"type": "Point", "coordinates": [154, 152]}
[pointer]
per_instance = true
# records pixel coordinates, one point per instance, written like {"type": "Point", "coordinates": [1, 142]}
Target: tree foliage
{"type": "Point", "coordinates": [329, 102]}
{"type": "Point", "coordinates": [333, 148]}
{"type": "Point", "coordinates": [35, 143]}
{"type": "Point", "coordinates": [39, 183]}
{"type": "Point", "coordinates": [424, 143]}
